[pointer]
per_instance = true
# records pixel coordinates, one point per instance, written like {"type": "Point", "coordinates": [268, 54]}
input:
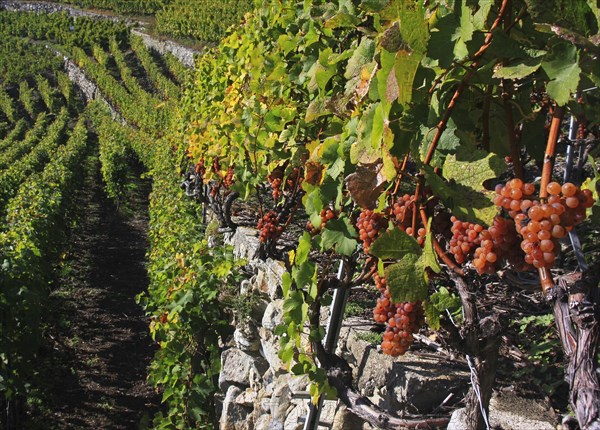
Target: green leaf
{"type": "Point", "coordinates": [373, 5]}
{"type": "Point", "coordinates": [286, 352]}
{"type": "Point", "coordinates": [362, 55]}
{"type": "Point", "coordinates": [316, 109]}
{"type": "Point", "coordinates": [561, 66]}
{"type": "Point", "coordinates": [432, 315]}
{"type": "Point", "coordinates": [518, 70]}
{"type": "Point", "coordinates": [472, 167]}
{"type": "Point", "coordinates": [363, 151]}
{"type": "Point", "coordinates": [406, 279]}
{"type": "Point", "coordinates": [342, 19]}
{"type": "Point", "coordinates": [464, 202]}
{"type": "Point", "coordinates": [339, 234]}
{"type": "Point", "coordinates": [438, 303]}
{"type": "Point", "coordinates": [449, 142]}
{"type": "Point", "coordinates": [575, 15]}
{"type": "Point", "coordinates": [304, 274]}
{"type": "Point", "coordinates": [293, 308]}
{"type": "Point", "coordinates": [394, 244]}
{"type": "Point", "coordinates": [304, 247]}
{"type": "Point", "coordinates": [429, 255]}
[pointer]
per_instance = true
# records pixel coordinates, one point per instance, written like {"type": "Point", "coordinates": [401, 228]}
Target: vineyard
{"type": "Point", "coordinates": [339, 193]}
{"type": "Point", "coordinates": [204, 20]}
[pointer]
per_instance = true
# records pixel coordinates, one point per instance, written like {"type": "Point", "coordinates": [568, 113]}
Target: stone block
{"type": "Point", "coordinates": [234, 415]}
{"type": "Point", "coordinates": [240, 368]}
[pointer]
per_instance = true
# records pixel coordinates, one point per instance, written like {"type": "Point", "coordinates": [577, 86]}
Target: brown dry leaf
{"type": "Point", "coordinates": [365, 185]}
{"type": "Point", "coordinates": [313, 172]}
{"type": "Point", "coordinates": [278, 171]}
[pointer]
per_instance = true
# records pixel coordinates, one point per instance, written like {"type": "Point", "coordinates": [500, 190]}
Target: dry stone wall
{"type": "Point", "coordinates": [258, 392]}
{"type": "Point", "coordinates": [47, 7]}
{"type": "Point", "coordinates": [182, 53]}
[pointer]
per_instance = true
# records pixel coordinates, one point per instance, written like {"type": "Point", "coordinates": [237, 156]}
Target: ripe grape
{"type": "Point", "coordinates": [228, 179]}
{"type": "Point", "coordinates": [540, 224]}
{"type": "Point", "coordinates": [276, 187]}
{"type": "Point", "coordinates": [370, 224]}
{"type": "Point", "coordinates": [269, 227]}
{"type": "Point", "coordinates": [401, 319]}
{"type": "Point", "coordinates": [465, 238]}
{"type": "Point", "coordinates": [294, 180]}
{"type": "Point", "coordinates": [402, 211]}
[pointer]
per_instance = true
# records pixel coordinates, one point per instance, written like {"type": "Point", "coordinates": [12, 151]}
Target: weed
{"type": "Point", "coordinates": [370, 336]}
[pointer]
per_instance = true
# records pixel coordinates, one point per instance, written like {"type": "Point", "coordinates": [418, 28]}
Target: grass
{"type": "Point", "coordinates": [370, 337]}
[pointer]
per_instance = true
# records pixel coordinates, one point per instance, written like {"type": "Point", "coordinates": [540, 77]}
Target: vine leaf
{"type": "Point", "coordinates": [394, 244]}
{"type": "Point", "coordinates": [339, 234]}
{"type": "Point", "coordinates": [472, 167]}
{"type": "Point", "coordinates": [365, 185]}
{"type": "Point", "coordinates": [429, 255]}
{"type": "Point", "coordinates": [573, 14]}
{"type": "Point", "coordinates": [561, 66]}
{"type": "Point", "coordinates": [342, 19]}
{"type": "Point", "coordinates": [362, 56]}
{"type": "Point", "coordinates": [518, 70]}
{"type": "Point", "coordinates": [437, 303]}
{"type": "Point", "coordinates": [465, 203]}
{"type": "Point", "coordinates": [316, 108]}
{"type": "Point", "coordinates": [364, 151]}
{"type": "Point", "coordinates": [304, 274]}
{"type": "Point", "coordinates": [449, 142]}
{"type": "Point", "coordinates": [406, 279]}
{"type": "Point", "coordinates": [313, 172]}
{"type": "Point", "coordinates": [304, 247]}
{"type": "Point", "coordinates": [295, 308]}
{"type": "Point", "coordinates": [391, 39]}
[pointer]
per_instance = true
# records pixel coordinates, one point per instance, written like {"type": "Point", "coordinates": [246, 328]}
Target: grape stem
{"type": "Point", "coordinates": [463, 84]}
{"type": "Point", "coordinates": [401, 174]}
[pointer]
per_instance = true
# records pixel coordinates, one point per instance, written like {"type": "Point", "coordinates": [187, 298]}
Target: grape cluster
{"type": "Point", "coordinates": [581, 130]}
{"type": "Point", "coordinates": [465, 238]}
{"type": "Point", "coordinates": [276, 187]}
{"type": "Point", "coordinates": [200, 168]}
{"type": "Point", "coordinates": [495, 244]}
{"type": "Point", "coordinates": [380, 282]}
{"type": "Point", "coordinates": [486, 247]}
{"type": "Point", "coordinates": [216, 167]}
{"type": "Point", "coordinates": [214, 190]}
{"type": "Point", "coordinates": [269, 227]}
{"type": "Point", "coordinates": [370, 224]}
{"type": "Point", "coordinates": [541, 224]}
{"type": "Point", "coordinates": [514, 196]}
{"type": "Point", "coordinates": [228, 179]}
{"type": "Point", "coordinates": [326, 215]}
{"type": "Point", "coordinates": [294, 180]}
{"type": "Point", "coordinates": [402, 211]}
{"type": "Point", "coordinates": [401, 319]}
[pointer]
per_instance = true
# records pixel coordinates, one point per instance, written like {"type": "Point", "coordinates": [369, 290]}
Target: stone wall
{"type": "Point", "coordinates": [257, 391]}
{"type": "Point", "coordinates": [182, 53]}
{"type": "Point", "coordinates": [47, 7]}
{"type": "Point", "coordinates": [88, 88]}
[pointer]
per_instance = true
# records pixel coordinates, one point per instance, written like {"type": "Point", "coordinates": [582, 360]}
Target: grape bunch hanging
{"type": "Point", "coordinates": [401, 319]}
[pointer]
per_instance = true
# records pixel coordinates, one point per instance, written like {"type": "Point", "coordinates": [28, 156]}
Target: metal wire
{"type": "Point", "coordinates": [475, 385]}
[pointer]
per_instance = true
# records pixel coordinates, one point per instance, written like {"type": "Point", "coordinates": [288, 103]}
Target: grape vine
{"type": "Point", "coordinates": [388, 108]}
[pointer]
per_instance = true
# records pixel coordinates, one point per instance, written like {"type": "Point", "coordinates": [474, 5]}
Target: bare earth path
{"type": "Point", "coordinates": [94, 363]}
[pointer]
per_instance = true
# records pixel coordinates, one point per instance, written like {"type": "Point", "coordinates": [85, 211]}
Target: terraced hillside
{"type": "Point", "coordinates": [351, 214]}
